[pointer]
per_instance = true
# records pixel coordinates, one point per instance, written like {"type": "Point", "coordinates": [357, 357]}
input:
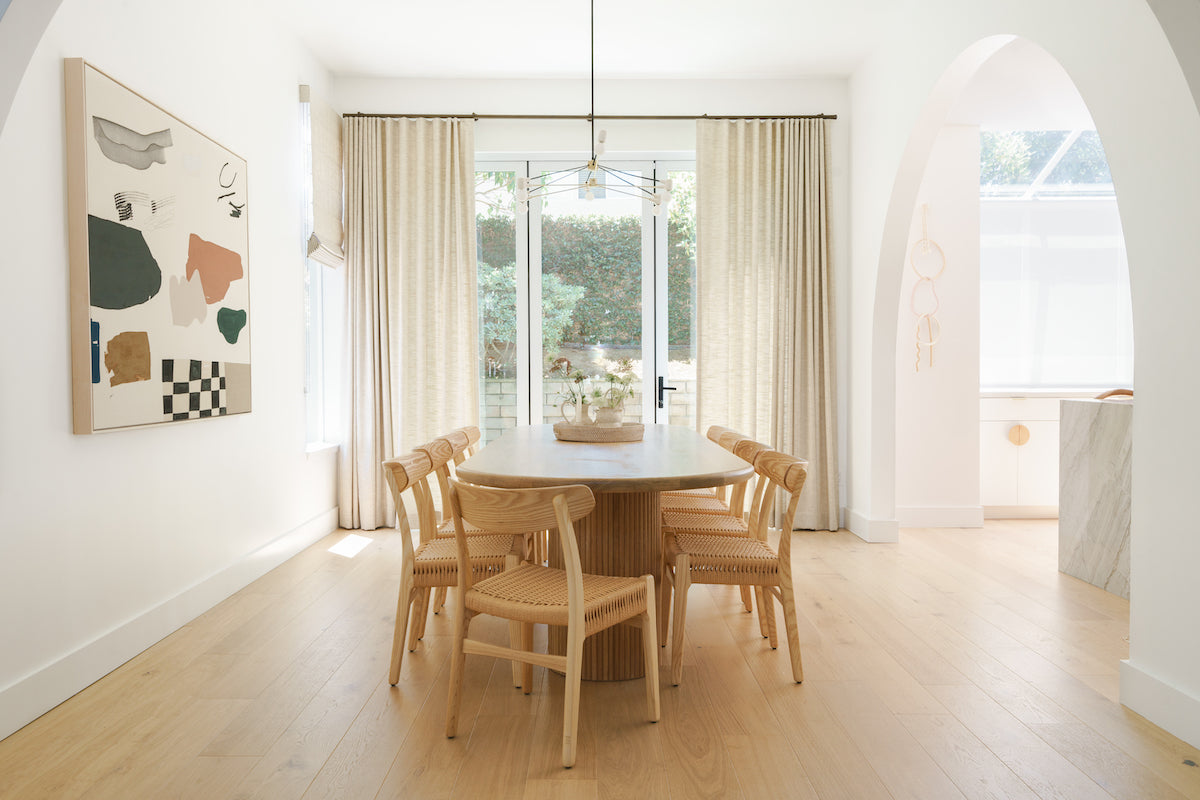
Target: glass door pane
{"type": "Point", "coordinates": [590, 273]}
{"type": "Point", "coordinates": [676, 300]}
{"type": "Point", "coordinates": [502, 268]}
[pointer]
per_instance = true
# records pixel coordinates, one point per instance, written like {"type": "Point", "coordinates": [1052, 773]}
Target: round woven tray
{"type": "Point", "coordinates": [625, 432]}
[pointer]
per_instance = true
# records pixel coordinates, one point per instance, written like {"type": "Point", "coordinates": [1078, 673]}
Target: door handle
{"type": "Point", "coordinates": [662, 387]}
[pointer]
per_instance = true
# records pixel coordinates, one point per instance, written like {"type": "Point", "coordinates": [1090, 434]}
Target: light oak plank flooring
{"type": "Point", "coordinates": [954, 664]}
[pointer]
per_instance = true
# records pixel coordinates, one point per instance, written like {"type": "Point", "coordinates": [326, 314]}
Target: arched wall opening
{"type": "Point", "coordinates": [1139, 97]}
{"type": "Point", "coordinates": [1024, 303]}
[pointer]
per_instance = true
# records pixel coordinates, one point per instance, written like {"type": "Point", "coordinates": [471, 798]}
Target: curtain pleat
{"type": "Point", "coordinates": [765, 301]}
{"type": "Point", "coordinates": [412, 351]}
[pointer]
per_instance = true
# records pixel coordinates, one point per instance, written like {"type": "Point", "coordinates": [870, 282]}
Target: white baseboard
{"type": "Point", "coordinates": [1171, 709]}
{"type": "Point", "coordinates": [939, 516]}
{"type": "Point", "coordinates": [872, 530]}
{"type": "Point", "coordinates": [34, 695]}
{"type": "Point", "coordinates": [1020, 512]}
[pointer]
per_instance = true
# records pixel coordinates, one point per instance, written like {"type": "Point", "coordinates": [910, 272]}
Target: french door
{"type": "Point", "coordinates": [589, 288]}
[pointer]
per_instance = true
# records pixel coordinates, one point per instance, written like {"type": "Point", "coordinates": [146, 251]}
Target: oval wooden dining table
{"type": "Point", "coordinates": [622, 535]}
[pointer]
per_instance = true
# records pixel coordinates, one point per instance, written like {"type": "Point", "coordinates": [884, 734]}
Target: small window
{"type": "Point", "coordinates": [1055, 307]}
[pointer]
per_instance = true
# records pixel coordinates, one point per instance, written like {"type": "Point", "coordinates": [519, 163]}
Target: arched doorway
{"type": "Point", "coordinates": [1025, 302]}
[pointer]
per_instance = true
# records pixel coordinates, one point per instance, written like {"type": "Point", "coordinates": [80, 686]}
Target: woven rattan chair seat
{"type": "Point", "coordinates": [711, 524]}
{"type": "Point", "coordinates": [723, 559]}
{"type": "Point", "coordinates": [436, 561]}
{"type": "Point", "coordinates": [693, 504]}
{"type": "Point", "coordinates": [689, 493]}
{"type": "Point", "coordinates": [531, 593]}
{"type": "Point", "coordinates": [445, 529]}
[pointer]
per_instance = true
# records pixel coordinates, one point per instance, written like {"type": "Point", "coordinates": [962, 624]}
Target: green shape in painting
{"type": "Point", "coordinates": [122, 272]}
{"type": "Point", "coordinates": [230, 322]}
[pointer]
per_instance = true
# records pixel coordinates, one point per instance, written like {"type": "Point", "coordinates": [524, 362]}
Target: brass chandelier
{"type": "Point", "coordinates": [593, 175]}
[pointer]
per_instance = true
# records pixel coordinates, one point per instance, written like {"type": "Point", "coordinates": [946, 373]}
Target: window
{"type": "Point", "coordinates": [1055, 307]}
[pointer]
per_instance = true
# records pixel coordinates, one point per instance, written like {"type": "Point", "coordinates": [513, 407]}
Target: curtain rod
{"type": "Point", "coordinates": [588, 117]}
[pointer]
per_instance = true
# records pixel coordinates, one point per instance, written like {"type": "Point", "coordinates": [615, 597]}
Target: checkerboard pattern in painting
{"type": "Point", "coordinates": [193, 389]}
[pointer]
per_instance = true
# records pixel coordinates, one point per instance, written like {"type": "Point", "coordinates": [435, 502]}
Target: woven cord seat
{"type": "Point", "coordinates": [435, 563]}
{"type": "Point", "coordinates": [706, 503]}
{"type": "Point", "coordinates": [725, 559]}
{"type": "Point", "coordinates": [538, 595]}
{"type": "Point", "coordinates": [706, 492]}
{"type": "Point", "coordinates": [711, 524]}
{"type": "Point", "coordinates": [530, 594]}
{"type": "Point", "coordinates": [691, 557]}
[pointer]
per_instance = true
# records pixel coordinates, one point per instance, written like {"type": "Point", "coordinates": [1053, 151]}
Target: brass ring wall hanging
{"type": "Point", "coordinates": [928, 262]}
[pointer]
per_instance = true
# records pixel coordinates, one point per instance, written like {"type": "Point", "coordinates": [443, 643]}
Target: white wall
{"type": "Point", "coordinates": [1119, 58]}
{"type": "Point", "coordinates": [111, 541]}
{"type": "Point", "coordinates": [937, 406]}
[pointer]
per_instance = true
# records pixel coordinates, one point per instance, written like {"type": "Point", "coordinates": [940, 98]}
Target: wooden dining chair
{"type": "Point", "coordinates": [729, 520]}
{"type": "Point", "coordinates": [532, 594]}
{"type": "Point", "coordinates": [741, 560]}
{"type": "Point", "coordinates": [433, 562]}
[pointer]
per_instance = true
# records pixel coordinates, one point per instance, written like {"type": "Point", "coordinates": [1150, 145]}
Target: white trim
{"type": "Point", "coordinates": [872, 530]}
{"type": "Point", "coordinates": [35, 694]}
{"type": "Point", "coordinates": [1020, 512]}
{"type": "Point", "coordinates": [1166, 706]}
{"type": "Point", "coordinates": [939, 516]}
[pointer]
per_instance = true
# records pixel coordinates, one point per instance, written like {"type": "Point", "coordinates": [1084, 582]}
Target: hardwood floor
{"type": "Point", "coordinates": [953, 664]}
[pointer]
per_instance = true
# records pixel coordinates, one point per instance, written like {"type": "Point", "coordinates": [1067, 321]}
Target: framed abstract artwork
{"type": "Point", "coordinates": [159, 259]}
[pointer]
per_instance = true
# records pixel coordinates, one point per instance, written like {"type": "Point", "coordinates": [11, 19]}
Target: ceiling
{"type": "Point", "coordinates": [549, 38]}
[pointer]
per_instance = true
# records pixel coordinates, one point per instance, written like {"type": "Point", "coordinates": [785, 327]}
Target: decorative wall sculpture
{"type": "Point", "coordinates": [928, 261]}
{"type": "Point", "coordinates": [160, 296]}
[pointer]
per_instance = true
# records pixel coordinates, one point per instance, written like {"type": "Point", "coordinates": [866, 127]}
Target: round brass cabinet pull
{"type": "Point", "coordinates": [1018, 435]}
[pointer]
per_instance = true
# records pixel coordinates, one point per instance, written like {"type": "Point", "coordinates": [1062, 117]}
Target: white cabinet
{"type": "Point", "coordinates": [1018, 480]}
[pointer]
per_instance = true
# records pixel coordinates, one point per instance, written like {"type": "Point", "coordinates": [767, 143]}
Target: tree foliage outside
{"type": "Point", "coordinates": [591, 274]}
{"type": "Point", "coordinates": [1016, 158]}
{"type": "Point", "coordinates": [498, 314]}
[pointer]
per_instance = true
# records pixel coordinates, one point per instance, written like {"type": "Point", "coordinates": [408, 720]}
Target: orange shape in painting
{"type": "Point", "coordinates": [218, 267]}
{"type": "Point", "coordinates": [128, 357]}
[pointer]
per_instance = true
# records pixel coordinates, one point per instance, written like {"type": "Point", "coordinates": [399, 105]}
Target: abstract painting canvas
{"type": "Point", "coordinates": [160, 294]}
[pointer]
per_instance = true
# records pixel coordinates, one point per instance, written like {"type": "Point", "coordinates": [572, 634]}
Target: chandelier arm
{"type": "Point", "coordinates": [624, 174]}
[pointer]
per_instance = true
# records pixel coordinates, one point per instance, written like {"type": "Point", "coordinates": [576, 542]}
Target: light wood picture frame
{"type": "Point", "coordinates": [158, 222]}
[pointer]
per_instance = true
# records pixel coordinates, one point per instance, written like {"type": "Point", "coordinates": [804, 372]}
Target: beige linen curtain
{"type": "Point", "coordinates": [411, 357]}
{"type": "Point", "coordinates": [764, 298]}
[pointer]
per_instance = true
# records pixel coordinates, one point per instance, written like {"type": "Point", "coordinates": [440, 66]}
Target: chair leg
{"type": "Point", "coordinates": [762, 619]}
{"type": "Point", "coordinates": [571, 694]}
{"type": "Point", "coordinates": [512, 561]}
{"type": "Point", "coordinates": [424, 616]}
{"type": "Point", "coordinates": [650, 651]}
{"type": "Point", "coordinates": [457, 657]}
{"type": "Point", "coordinates": [768, 614]}
{"type": "Point", "coordinates": [420, 611]}
{"type": "Point", "coordinates": [683, 579]}
{"type": "Point", "coordinates": [526, 667]}
{"type": "Point", "coordinates": [664, 603]}
{"type": "Point", "coordinates": [747, 599]}
{"type": "Point", "coordinates": [787, 599]}
{"type": "Point", "coordinates": [439, 600]}
{"type": "Point", "coordinates": [403, 603]}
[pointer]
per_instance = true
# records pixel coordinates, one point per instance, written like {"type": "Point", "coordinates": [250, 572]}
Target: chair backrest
{"type": "Point", "coordinates": [519, 511]}
{"type": "Point", "coordinates": [780, 471]}
{"type": "Point", "coordinates": [464, 441]}
{"type": "Point", "coordinates": [410, 471]}
{"type": "Point", "coordinates": [440, 452]}
{"type": "Point", "coordinates": [715, 431]}
{"type": "Point", "coordinates": [747, 450]}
